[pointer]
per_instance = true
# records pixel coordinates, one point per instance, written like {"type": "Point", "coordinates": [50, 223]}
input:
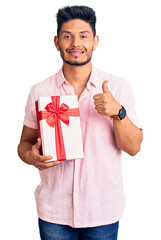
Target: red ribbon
{"type": "Point", "coordinates": [53, 114]}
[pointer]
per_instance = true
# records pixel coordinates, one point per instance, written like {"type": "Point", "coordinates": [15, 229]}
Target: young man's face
{"type": "Point", "coordinates": [76, 42]}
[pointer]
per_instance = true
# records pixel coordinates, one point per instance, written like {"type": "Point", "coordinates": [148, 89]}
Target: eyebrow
{"type": "Point", "coordinates": [79, 32]}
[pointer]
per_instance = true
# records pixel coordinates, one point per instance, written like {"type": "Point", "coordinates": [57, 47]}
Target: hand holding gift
{"type": "Point", "coordinates": [38, 160]}
{"type": "Point", "coordinates": [105, 103]}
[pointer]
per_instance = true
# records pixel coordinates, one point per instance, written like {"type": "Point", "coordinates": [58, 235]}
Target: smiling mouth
{"type": "Point", "coordinates": [76, 53]}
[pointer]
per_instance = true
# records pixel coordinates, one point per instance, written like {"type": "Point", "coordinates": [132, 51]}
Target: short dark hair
{"type": "Point", "coordinates": [84, 13]}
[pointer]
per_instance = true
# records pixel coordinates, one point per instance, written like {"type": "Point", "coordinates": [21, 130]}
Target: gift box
{"type": "Point", "coordinates": [58, 123]}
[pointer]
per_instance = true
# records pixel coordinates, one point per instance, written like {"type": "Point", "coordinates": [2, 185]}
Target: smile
{"type": "Point", "coordinates": [76, 53]}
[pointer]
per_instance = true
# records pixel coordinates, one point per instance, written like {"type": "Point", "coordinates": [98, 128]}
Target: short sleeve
{"type": "Point", "coordinates": [30, 113]}
{"type": "Point", "coordinates": [127, 99]}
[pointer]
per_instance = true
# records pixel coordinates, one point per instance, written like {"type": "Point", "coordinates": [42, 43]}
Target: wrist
{"type": "Point", "coordinates": [121, 114]}
{"type": "Point", "coordinates": [117, 110]}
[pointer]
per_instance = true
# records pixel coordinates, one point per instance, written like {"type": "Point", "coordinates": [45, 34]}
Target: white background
{"type": "Point", "coordinates": [130, 47]}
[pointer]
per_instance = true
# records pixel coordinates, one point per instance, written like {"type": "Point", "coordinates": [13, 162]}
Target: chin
{"type": "Point", "coordinates": [76, 63]}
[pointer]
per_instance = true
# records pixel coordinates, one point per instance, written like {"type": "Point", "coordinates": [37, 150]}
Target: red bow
{"type": "Point", "coordinates": [53, 114]}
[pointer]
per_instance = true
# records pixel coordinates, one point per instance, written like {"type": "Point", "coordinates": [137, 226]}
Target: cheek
{"type": "Point", "coordinates": [89, 46]}
{"type": "Point", "coordinates": [62, 45]}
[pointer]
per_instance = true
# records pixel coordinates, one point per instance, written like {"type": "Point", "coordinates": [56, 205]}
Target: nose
{"type": "Point", "coordinates": [76, 41]}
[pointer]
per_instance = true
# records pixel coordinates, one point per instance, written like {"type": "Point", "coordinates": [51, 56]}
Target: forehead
{"type": "Point", "coordinates": [76, 25]}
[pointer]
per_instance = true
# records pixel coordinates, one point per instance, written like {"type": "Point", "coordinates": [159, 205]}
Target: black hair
{"type": "Point", "coordinates": [76, 12]}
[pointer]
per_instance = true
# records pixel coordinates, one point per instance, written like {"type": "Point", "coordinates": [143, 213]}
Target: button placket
{"type": "Point", "coordinates": [77, 176]}
{"type": "Point", "coordinates": [76, 192]}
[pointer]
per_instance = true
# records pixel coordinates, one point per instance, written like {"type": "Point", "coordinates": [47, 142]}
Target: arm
{"type": "Point", "coordinates": [128, 136]}
{"type": "Point", "coordinates": [29, 150]}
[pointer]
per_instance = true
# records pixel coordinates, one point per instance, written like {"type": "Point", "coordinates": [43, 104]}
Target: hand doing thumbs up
{"type": "Point", "coordinates": [105, 103]}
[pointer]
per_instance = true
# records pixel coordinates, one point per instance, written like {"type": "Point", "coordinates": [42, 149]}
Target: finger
{"type": "Point", "coordinates": [50, 164]}
{"type": "Point", "coordinates": [97, 96]}
{"type": "Point", "coordinates": [36, 152]}
{"type": "Point", "coordinates": [101, 112]}
{"type": "Point", "coordinates": [43, 158]}
{"type": "Point", "coordinates": [36, 147]}
{"type": "Point", "coordinates": [99, 108]}
{"type": "Point", "coordinates": [36, 155]}
{"type": "Point", "coordinates": [98, 102]}
{"type": "Point", "coordinates": [105, 87]}
{"type": "Point", "coordinates": [44, 165]}
{"type": "Point", "coordinates": [38, 144]}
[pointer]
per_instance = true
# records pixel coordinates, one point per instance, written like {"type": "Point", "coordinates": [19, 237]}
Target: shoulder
{"type": "Point", "coordinates": [44, 87]}
{"type": "Point", "coordinates": [113, 80]}
{"type": "Point", "coordinates": [118, 86]}
{"type": "Point", "coordinates": [44, 84]}
{"type": "Point", "coordinates": [118, 83]}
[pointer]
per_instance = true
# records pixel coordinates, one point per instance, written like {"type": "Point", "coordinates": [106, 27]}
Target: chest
{"type": "Point", "coordinates": [78, 91]}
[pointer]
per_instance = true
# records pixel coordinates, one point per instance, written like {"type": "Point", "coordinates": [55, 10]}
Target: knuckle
{"type": "Point", "coordinates": [34, 158]}
{"type": "Point", "coordinates": [106, 110]}
{"type": "Point", "coordinates": [46, 165]}
{"type": "Point", "coordinates": [36, 164]}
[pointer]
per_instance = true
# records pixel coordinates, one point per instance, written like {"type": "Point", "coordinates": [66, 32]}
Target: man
{"type": "Point", "coordinates": [83, 198]}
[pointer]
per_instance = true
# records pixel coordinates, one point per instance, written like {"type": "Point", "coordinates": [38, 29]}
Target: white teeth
{"type": "Point", "coordinates": [75, 51]}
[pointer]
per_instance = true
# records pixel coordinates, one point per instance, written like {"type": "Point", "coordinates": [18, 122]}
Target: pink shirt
{"type": "Point", "coordinates": [84, 192]}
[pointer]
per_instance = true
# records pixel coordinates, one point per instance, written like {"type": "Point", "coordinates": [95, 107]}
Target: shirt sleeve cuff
{"type": "Point", "coordinates": [30, 123]}
{"type": "Point", "coordinates": [136, 123]}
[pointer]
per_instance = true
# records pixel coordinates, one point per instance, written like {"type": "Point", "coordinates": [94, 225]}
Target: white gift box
{"type": "Point", "coordinates": [59, 128]}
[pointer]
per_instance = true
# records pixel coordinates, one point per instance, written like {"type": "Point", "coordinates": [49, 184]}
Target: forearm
{"type": "Point", "coordinates": [128, 136]}
{"type": "Point", "coordinates": [24, 149]}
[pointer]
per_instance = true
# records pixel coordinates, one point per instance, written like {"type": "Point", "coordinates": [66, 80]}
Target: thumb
{"type": "Point", "coordinates": [38, 144]}
{"type": "Point", "coordinates": [104, 86]}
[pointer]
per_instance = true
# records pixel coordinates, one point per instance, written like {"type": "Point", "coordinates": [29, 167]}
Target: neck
{"type": "Point", "coordinates": [77, 75]}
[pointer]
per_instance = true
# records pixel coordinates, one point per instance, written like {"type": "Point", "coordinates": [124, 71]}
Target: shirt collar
{"type": "Point", "coordinates": [92, 80]}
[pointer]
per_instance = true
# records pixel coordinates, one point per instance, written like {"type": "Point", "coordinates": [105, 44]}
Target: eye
{"type": "Point", "coordinates": [67, 36]}
{"type": "Point", "coordinates": [83, 36]}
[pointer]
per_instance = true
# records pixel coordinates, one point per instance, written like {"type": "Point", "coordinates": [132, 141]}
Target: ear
{"type": "Point", "coordinates": [96, 41]}
{"type": "Point", "coordinates": [56, 41]}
